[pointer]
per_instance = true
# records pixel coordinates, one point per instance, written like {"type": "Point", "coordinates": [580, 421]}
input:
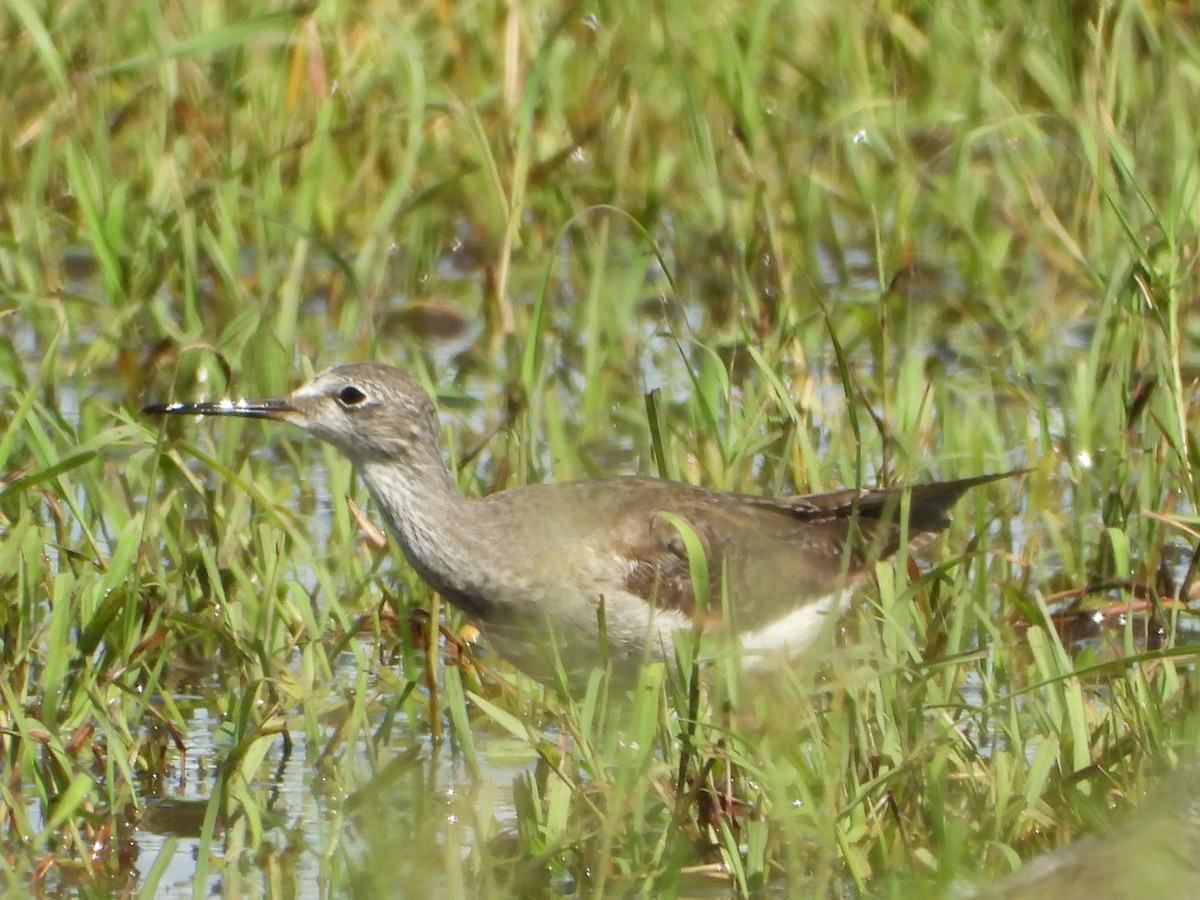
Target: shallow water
{"type": "Point", "coordinates": [437, 807]}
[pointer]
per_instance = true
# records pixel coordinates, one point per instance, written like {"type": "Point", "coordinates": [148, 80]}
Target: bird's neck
{"type": "Point", "coordinates": [429, 517]}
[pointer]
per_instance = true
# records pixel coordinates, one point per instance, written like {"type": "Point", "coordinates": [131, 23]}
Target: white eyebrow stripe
{"type": "Point", "coordinates": [312, 389]}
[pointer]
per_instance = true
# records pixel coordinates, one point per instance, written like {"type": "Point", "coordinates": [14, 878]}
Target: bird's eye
{"type": "Point", "coordinates": [351, 396]}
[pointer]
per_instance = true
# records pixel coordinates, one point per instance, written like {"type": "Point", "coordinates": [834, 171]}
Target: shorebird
{"type": "Point", "coordinates": [543, 568]}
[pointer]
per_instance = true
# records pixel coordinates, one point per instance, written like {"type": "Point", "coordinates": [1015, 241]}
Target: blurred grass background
{"type": "Point", "coordinates": [796, 246]}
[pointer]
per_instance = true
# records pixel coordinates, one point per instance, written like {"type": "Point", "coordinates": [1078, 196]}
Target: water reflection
{"type": "Point", "coordinates": [405, 792]}
{"type": "Point", "coordinates": [411, 793]}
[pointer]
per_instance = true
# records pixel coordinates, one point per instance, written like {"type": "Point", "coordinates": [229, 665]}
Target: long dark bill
{"type": "Point", "coordinates": [247, 409]}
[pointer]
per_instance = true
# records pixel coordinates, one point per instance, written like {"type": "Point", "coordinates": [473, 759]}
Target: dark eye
{"type": "Point", "coordinates": [351, 396]}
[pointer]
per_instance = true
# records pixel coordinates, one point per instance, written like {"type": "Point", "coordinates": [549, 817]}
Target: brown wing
{"type": "Point", "coordinates": [930, 503]}
{"type": "Point", "coordinates": [778, 553]}
{"type": "Point", "coordinates": [659, 570]}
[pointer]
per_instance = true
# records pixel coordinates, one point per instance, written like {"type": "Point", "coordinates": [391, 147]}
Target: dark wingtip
{"type": "Point", "coordinates": [931, 503]}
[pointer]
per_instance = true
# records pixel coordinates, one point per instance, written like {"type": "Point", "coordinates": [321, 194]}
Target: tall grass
{"type": "Point", "coordinates": [756, 246]}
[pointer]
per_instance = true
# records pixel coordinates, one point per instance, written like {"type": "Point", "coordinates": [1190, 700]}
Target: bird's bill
{"type": "Point", "coordinates": [246, 409]}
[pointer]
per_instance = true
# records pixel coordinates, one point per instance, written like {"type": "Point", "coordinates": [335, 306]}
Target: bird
{"type": "Point", "coordinates": [564, 577]}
